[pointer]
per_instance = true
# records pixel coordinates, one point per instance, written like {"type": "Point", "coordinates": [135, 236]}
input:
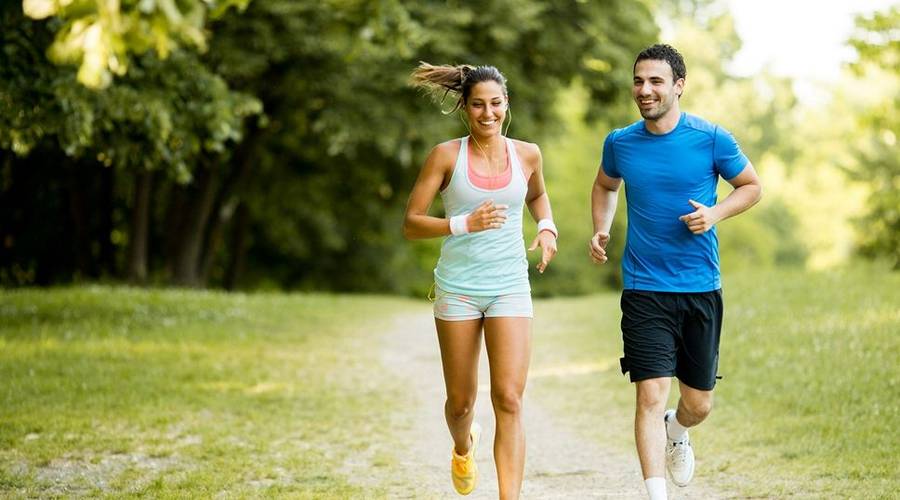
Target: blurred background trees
{"type": "Point", "coordinates": [877, 159]}
{"type": "Point", "coordinates": [272, 143]}
{"type": "Point", "coordinates": [92, 179]}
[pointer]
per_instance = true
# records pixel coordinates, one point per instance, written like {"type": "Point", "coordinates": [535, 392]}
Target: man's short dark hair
{"type": "Point", "coordinates": [663, 52]}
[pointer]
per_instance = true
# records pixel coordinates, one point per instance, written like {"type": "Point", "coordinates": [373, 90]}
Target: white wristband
{"type": "Point", "coordinates": [548, 225]}
{"type": "Point", "coordinates": [458, 224]}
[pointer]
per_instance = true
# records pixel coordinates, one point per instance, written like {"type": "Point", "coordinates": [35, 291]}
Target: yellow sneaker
{"type": "Point", "coordinates": [463, 467]}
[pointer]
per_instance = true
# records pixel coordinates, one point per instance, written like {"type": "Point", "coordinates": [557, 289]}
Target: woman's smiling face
{"type": "Point", "coordinates": [486, 108]}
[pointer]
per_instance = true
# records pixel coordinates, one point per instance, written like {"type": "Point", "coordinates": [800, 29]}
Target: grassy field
{"type": "Point", "coordinates": [115, 391]}
{"type": "Point", "coordinates": [810, 401]}
{"type": "Point", "coordinates": [124, 392]}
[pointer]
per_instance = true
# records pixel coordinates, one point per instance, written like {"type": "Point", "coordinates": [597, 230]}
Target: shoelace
{"type": "Point", "coordinates": [679, 452]}
{"type": "Point", "coordinates": [461, 464]}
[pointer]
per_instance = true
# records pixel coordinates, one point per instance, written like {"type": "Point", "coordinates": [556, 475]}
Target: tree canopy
{"type": "Point", "coordinates": [102, 37]}
{"type": "Point", "coordinates": [877, 42]}
{"type": "Point", "coordinates": [272, 143]}
{"type": "Point", "coordinates": [284, 152]}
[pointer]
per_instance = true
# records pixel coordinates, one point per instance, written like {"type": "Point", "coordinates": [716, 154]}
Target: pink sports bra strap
{"type": "Point", "coordinates": [491, 182]}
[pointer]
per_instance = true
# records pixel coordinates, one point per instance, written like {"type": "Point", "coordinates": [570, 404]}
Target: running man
{"type": "Point", "coordinates": [481, 280]}
{"type": "Point", "coordinates": [672, 299]}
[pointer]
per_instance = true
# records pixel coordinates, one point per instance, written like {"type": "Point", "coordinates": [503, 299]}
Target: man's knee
{"type": "Point", "coordinates": [652, 394]}
{"type": "Point", "coordinates": [697, 406]}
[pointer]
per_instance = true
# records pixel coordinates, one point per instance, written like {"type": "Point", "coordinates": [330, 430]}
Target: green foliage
{"type": "Point", "coordinates": [877, 40]}
{"type": "Point", "coordinates": [83, 151]}
{"type": "Point", "coordinates": [878, 164]}
{"type": "Point", "coordinates": [336, 137]}
{"type": "Point", "coordinates": [174, 111]}
{"type": "Point", "coordinates": [760, 112]}
{"type": "Point", "coordinates": [346, 134]}
{"type": "Point", "coordinates": [101, 37]}
{"type": "Point", "coordinates": [571, 160]}
{"type": "Point", "coordinates": [762, 238]}
{"type": "Point", "coordinates": [324, 174]}
{"type": "Point", "coordinates": [164, 114]}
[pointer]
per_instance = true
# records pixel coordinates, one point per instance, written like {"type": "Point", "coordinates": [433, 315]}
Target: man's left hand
{"type": "Point", "coordinates": [702, 219]}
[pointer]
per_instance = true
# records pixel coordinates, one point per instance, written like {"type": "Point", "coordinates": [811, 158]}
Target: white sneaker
{"type": "Point", "coordinates": [679, 458]}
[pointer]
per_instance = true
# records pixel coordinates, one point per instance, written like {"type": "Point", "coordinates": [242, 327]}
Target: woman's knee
{"type": "Point", "coordinates": [507, 401]}
{"type": "Point", "coordinates": [459, 406]}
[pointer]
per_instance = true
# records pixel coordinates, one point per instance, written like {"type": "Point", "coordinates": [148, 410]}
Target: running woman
{"type": "Point", "coordinates": [672, 299]}
{"type": "Point", "coordinates": [481, 280]}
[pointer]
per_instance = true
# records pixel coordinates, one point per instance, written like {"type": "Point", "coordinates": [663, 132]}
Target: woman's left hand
{"type": "Point", "coordinates": [547, 241]}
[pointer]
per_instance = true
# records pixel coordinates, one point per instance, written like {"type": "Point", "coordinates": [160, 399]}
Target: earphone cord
{"type": "Point", "coordinates": [478, 144]}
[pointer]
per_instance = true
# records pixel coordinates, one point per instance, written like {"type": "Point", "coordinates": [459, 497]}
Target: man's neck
{"type": "Point", "coordinates": [664, 124]}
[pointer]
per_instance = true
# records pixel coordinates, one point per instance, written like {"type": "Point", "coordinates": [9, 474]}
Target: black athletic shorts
{"type": "Point", "coordinates": [672, 334]}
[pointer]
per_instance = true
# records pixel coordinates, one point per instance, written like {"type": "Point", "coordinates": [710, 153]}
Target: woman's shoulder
{"type": "Point", "coordinates": [447, 149]}
{"type": "Point", "coordinates": [444, 154]}
{"type": "Point", "coordinates": [529, 152]}
{"type": "Point", "coordinates": [451, 146]}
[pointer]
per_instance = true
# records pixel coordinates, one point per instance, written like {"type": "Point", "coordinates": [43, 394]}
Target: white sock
{"type": "Point", "coordinates": [674, 429]}
{"type": "Point", "coordinates": [656, 488]}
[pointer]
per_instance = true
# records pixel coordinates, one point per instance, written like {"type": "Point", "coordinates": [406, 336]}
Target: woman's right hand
{"type": "Point", "coordinates": [487, 216]}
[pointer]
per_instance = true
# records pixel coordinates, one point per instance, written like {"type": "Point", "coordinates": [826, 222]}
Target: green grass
{"type": "Point", "coordinates": [111, 392]}
{"type": "Point", "coordinates": [116, 391]}
{"type": "Point", "coordinates": [810, 402]}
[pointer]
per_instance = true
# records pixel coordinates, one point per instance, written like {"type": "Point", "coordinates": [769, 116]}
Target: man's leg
{"type": "Point", "coordinates": [650, 431]}
{"type": "Point", "coordinates": [694, 405]}
{"type": "Point", "coordinates": [650, 325]}
{"type": "Point", "coordinates": [698, 358]}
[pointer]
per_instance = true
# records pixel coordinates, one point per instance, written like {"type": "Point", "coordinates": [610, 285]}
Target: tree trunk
{"type": "Point", "coordinates": [107, 257]}
{"type": "Point", "coordinates": [174, 222]}
{"type": "Point", "coordinates": [140, 219]}
{"type": "Point", "coordinates": [186, 262]}
{"type": "Point", "coordinates": [229, 196]}
{"type": "Point", "coordinates": [220, 218]}
{"type": "Point", "coordinates": [238, 247]}
{"type": "Point", "coordinates": [80, 223]}
{"type": "Point", "coordinates": [212, 242]}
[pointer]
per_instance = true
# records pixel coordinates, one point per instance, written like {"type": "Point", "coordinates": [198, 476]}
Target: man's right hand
{"type": "Point", "coordinates": [598, 247]}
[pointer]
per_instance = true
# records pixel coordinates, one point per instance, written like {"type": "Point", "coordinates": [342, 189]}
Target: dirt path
{"type": "Point", "coordinates": [559, 463]}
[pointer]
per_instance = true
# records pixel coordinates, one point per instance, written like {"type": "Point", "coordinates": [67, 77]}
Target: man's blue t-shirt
{"type": "Point", "coordinates": [661, 173]}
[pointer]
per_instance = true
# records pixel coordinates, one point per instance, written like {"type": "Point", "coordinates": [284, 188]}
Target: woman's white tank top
{"type": "Point", "coordinates": [490, 262]}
